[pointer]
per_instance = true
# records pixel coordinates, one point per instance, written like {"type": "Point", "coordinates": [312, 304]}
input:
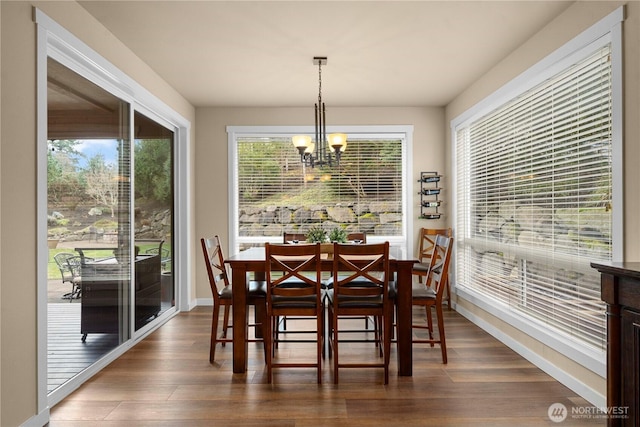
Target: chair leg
{"type": "Point", "coordinates": [334, 323]}
{"type": "Point", "coordinates": [268, 344]}
{"type": "Point", "coordinates": [443, 344]}
{"type": "Point", "coordinates": [388, 322]}
{"type": "Point", "coordinates": [448, 289]}
{"type": "Point", "coordinates": [429, 323]}
{"type": "Point", "coordinates": [225, 322]}
{"type": "Point", "coordinates": [320, 344]}
{"type": "Point", "coordinates": [261, 323]}
{"type": "Point", "coordinates": [214, 332]}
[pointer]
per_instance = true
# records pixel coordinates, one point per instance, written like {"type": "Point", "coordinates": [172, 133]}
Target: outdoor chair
{"type": "Point", "coordinates": [69, 265]}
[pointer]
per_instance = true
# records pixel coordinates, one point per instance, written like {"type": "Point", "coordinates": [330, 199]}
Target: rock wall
{"type": "Point", "coordinates": [374, 218]}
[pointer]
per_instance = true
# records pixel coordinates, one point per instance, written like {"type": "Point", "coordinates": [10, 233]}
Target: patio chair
{"type": "Point", "coordinates": [69, 265]}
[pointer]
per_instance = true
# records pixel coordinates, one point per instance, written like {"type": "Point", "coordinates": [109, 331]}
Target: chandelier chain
{"type": "Point", "coordinates": [319, 82]}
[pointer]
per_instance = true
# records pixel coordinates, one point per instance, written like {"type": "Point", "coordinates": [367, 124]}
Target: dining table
{"type": "Point", "coordinates": [252, 260]}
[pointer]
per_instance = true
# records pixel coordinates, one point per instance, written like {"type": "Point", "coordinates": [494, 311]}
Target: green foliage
{"type": "Point", "coordinates": [316, 235]}
{"type": "Point", "coordinates": [338, 234]}
{"type": "Point", "coordinates": [62, 164]}
{"type": "Point", "coordinates": [153, 174]}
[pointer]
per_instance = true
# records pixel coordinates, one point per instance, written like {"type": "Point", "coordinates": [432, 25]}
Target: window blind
{"type": "Point", "coordinates": [534, 189]}
{"type": "Point", "coordinates": [277, 193]}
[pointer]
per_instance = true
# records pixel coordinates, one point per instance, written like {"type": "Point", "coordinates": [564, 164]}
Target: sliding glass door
{"type": "Point", "coordinates": [110, 222]}
{"type": "Point", "coordinates": [153, 225]}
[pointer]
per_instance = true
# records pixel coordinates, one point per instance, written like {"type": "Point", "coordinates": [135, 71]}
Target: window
{"type": "Point", "coordinates": [275, 193]}
{"type": "Point", "coordinates": [534, 183]}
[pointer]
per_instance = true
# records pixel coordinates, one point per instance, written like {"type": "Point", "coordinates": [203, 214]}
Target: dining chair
{"type": "Point", "coordinates": [357, 237]}
{"type": "Point", "coordinates": [293, 237]}
{"type": "Point", "coordinates": [294, 288]}
{"type": "Point", "coordinates": [360, 288]}
{"type": "Point", "coordinates": [430, 294]}
{"type": "Point", "coordinates": [427, 242]}
{"type": "Point", "coordinates": [289, 238]}
{"type": "Point", "coordinates": [222, 291]}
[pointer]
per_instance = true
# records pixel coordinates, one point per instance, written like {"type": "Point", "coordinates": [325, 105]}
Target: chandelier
{"type": "Point", "coordinates": [323, 149]}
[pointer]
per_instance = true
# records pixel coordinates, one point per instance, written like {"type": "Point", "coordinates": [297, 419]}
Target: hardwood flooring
{"type": "Point", "coordinates": [166, 380]}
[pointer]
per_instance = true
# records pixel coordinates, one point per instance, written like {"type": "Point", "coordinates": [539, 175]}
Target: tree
{"type": "Point", "coordinates": [102, 182]}
{"type": "Point", "coordinates": [63, 178]}
{"type": "Point", "coordinates": [153, 173]}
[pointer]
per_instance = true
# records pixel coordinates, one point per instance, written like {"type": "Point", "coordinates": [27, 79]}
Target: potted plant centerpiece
{"type": "Point", "coordinates": [338, 235]}
{"type": "Point", "coordinates": [316, 234]}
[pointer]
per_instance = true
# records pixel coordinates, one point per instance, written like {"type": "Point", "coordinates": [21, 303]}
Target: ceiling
{"type": "Point", "coordinates": [380, 53]}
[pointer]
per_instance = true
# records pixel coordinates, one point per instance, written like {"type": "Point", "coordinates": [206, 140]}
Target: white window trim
{"type": "Point", "coordinates": [58, 43]}
{"type": "Point", "coordinates": [608, 29]}
{"type": "Point", "coordinates": [402, 244]}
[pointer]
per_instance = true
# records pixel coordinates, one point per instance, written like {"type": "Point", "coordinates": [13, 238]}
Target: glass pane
{"type": "Point", "coordinates": [277, 193]}
{"type": "Point", "coordinates": [89, 211]}
{"type": "Point", "coordinates": [153, 183]}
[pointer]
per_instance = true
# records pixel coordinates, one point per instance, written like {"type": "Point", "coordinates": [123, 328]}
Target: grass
{"type": "Point", "coordinates": [52, 268]}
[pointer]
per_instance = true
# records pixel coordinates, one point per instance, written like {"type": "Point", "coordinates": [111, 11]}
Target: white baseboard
{"type": "Point", "coordinates": [589, 394]}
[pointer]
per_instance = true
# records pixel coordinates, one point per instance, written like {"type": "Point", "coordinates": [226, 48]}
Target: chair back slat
{"type": "Point", "coordinates": [428, 240]}
{"type": "Point", "coordinates": [439, 265]}
{"type": "Point", "coordinates": [361, 270]}
{"type": "Point", "coordinates": [293, 270]}
{"type": "Point", "coordinates": [216, 269]}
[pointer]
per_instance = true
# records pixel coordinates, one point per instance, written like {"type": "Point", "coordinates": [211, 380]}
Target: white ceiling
{"type": "Point", "coordinates": [380, 53]}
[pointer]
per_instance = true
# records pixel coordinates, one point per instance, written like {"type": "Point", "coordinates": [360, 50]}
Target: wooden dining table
{"type": "Point", "coordinates": [252, 260]}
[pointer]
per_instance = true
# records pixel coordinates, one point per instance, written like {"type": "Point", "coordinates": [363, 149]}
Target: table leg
{"type": "Point", "coordinates": [240, 343]}
{"type": "Point", "coordinates": [403, 321]}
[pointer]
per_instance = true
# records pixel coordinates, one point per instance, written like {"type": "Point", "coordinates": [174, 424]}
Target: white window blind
{"type": "Point", "coordinates": [276, 193]}
{"type": "Point", "coordinates": [534, 197]}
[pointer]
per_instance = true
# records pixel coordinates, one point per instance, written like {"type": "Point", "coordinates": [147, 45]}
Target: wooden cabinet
{"type": "Point", "coordinates": [105, 283]}
{"type": "Point", "coordinates": [620, 286]}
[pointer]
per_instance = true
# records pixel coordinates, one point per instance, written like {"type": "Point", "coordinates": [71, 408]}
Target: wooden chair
{"type": "Point", "coordinates": [360, 288]}
{"type": "Point", "coordinates": [293, 291]}
{"type": "Point", "coordinates": [427, 241]}
{"type": "Point", "coordinates": [289, 238]}
{"type": "Point", "coordinates": [359, 237]}
{"type": "Point", "coordinates": [293, 237]}
{"type": "Point", "coordinates": [221, 288]}
{"type": "Point", "coordinates": [429, 294]}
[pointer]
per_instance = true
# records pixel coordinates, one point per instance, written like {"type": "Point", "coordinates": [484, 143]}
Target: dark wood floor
{"type": "Point", "coordinates": [166, 380]}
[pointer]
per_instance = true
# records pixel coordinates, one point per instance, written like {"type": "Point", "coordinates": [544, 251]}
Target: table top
{"type": "Point", "coordinates": [257, 254]}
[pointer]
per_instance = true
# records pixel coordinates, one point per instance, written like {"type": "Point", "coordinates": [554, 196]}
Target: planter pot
{"type": "Point", "coordinates": [52, 243]}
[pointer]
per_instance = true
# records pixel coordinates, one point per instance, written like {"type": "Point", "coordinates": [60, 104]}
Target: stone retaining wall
{"type": "Point", "coordinates": [375, 218]}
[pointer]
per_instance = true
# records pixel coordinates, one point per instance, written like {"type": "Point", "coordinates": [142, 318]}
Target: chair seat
{"type": "Point", "coordinates": [421, 266]}
{"type": "Point", "coordinates": [279, 301]}
{"type": "Point", "coordinates": [354, 301]}
{"type": "Point", "coordinates": [420, 291]}
{"type": "Point", "coordinates": [256, 289]}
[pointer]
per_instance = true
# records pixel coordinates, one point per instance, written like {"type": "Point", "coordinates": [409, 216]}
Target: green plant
{"type": "Point", "coordinates": [316, 235]}
{"type": "Point", "coordinates": [338, 234]}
